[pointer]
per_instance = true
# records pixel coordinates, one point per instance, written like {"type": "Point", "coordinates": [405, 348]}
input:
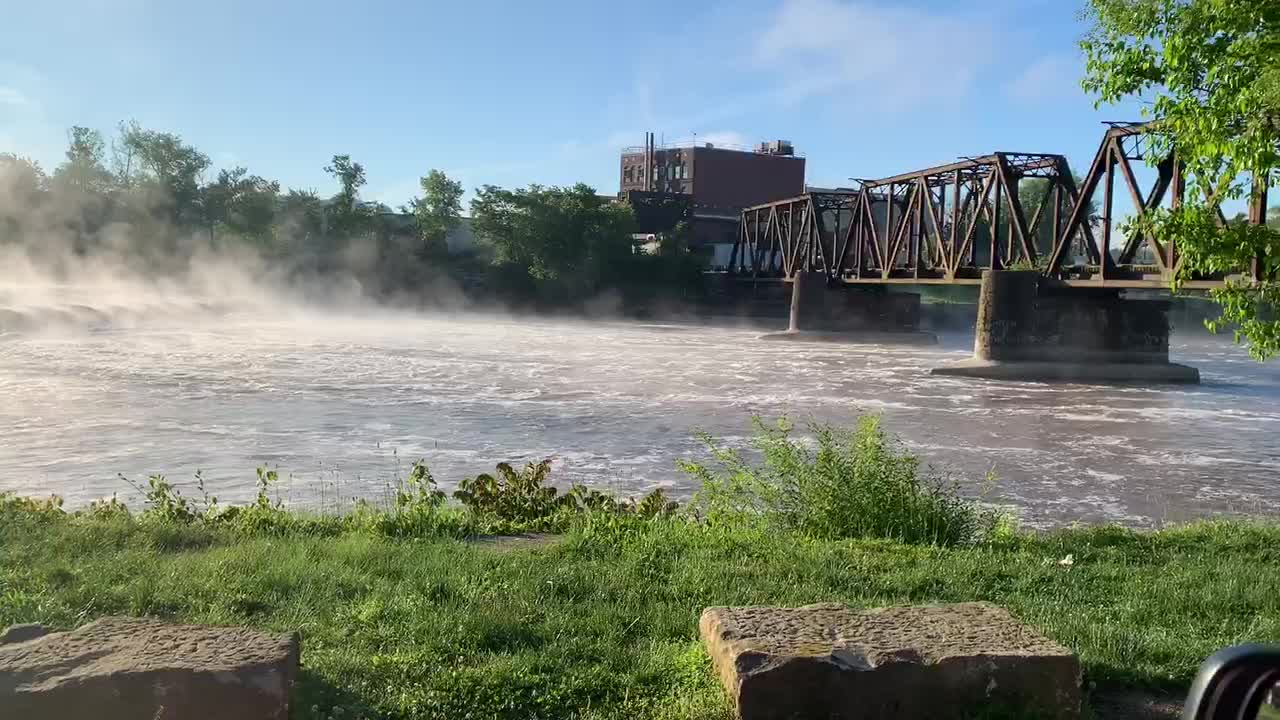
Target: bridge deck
{"type": "Point", "coordinates": [1117, 283]}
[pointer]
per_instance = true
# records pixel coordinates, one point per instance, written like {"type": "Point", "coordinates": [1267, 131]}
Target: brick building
{"type": "Point", "coordinates": [717, 181]}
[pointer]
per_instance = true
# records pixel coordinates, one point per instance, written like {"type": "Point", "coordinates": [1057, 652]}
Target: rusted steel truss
{"type": "Point", "coordinates": [948, 223]}
{"type": "Point", "coordinates": [931, 224]}
{"type": "Point", "coordinates": [1138, 256]}
{"type": "Point", "coordinates": [1073, 255]}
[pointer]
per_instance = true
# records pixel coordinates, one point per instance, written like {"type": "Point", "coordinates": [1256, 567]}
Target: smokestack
{"type": "Point", "coordinates": [645, 172]}
{"type": "Point", "coordinates": [648, 161]}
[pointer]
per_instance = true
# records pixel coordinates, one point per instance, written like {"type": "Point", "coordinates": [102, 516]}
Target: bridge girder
{"type": "Point", "coordinates": [948, 223]}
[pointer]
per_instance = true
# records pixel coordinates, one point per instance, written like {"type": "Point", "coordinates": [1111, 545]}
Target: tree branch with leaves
{"type": "Point", "coordinates": [1209, 71]}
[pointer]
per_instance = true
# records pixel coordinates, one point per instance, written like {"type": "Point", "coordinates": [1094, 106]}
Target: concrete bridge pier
{"type": "Point", "coordinates": [823, 312]}
{"type": "Point", "coordinates": [1028, 330]}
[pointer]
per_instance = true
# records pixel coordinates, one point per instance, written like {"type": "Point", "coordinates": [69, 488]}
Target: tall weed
{"type": "Point", "coordinates": [850, 483]}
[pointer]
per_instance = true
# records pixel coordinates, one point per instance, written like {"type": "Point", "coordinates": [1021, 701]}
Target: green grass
{"type": "Point", "coordinates": [402, 617]}
{"type": "Point", "coordinates": [602, 623]}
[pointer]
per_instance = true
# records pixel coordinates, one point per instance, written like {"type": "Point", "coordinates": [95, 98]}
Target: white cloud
{"type": "Point", "coordinates": [13, 97]}
{"type": "Point", "coordinates": [1052, 76]}
{"type": "Point", "coordinates": [881, 56]}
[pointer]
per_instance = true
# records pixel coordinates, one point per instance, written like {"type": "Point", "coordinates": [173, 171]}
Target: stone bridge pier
{"type": "Point", "coordinates": [867, 313]}
{"type": "Point", "coordinates": [1030, 330]}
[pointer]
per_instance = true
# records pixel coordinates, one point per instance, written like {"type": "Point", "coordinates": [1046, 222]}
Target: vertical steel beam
{"type": "Point", "coordinates": [888, 233]}
{"type": "Point", "coordinates": [1179, 188]}
{"type": "Point", "coordinates": [1057, 214]}
{"type": "Point", "coordinates": [1258, 217]}
{"type": "Point", "coordinates": [1107, 201]}
{"type": "Point", "coordinates": [1017, 218]}
{"type": "Point", "coordinates": [859, 234]}
{"type": "Point", "coordinates": [996, 261]}
{"type": "Point", "coordinates": [1142, 207]}
{"type": "Point", "coordinates": [953, 258]}
{"type": "Point", "coordinates": [1078, 219]}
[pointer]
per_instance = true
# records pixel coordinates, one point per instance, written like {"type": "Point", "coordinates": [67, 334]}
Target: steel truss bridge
{"type": "Point", "coordinates": [947, 224]}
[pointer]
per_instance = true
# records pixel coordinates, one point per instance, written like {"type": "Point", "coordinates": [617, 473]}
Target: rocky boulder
{"type": "Point", "coordinates": [23, 633]}
{"type": "Point", "coordinates": [130, 668]}
{"type": "Point", "coordinates": [831, 662]}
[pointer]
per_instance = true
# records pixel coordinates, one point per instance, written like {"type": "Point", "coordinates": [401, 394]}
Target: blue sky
{"type": "Point", "coordinates": [516, 92]}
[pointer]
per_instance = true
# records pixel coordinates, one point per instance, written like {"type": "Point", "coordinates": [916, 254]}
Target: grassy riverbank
{"type": "Point", "coordinates": [403, 615]}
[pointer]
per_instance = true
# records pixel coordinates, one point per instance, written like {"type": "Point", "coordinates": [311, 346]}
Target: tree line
{"type": "Point", "coordinates": [156, 199]}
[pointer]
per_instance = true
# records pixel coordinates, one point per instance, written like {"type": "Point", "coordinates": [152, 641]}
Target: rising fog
{"type": "Point", "coordinates": [103, 253]}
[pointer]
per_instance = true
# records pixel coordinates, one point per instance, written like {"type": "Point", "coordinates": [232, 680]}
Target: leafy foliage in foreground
{"type": "Point", "coordinates": [853, 483]}
{"type": "Point", "coordinates": [508, 501]}
{"type": "Point", "coordinates": [525, 500]}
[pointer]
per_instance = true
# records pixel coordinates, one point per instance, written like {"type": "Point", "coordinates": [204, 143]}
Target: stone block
{"type": "Point", "coordinates": [141, 669]}
{"type": "Point", "coordinates": [834, 663]}
{"type": "Point", "coordinates": [23, 633]}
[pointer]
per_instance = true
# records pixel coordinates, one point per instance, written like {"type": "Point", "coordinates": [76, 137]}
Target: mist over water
{"type": "Point", "coordinates": [100, 376]}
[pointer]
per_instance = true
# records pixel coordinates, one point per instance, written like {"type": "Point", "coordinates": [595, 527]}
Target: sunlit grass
{"type": "Point", "coordinates": [601, 623]}
{"type": "Point", "coordinates": [403, 615]}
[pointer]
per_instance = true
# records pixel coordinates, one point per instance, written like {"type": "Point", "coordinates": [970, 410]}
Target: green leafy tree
{"type": "Point", "coordinates": [253, 209]}
{"type": "Point", "coordinates": [21, 179]}
{"type": "Point", "coordinates": [123, 162]}
{"type": "Point", "coordinates": [568, 237]}
{"type": "Point", "coordinates": [169, 171]}
{"type": "Point", "coordinates": [347, 216]}
{"type": "Point", "coordinates": [82, 185]}
{"type": "Point", "coordinates": [84, 171]}
{"type": "Point", "coordinates": [243, 205]}
{"type": "Point", "coordinates": [300, 219]}
{"type": "Point", "coordinates": [1211, 70]}
{"type": "Point", "coordinates": [23, 185]}
{"type": "Point", "coordinates": [437, 212]}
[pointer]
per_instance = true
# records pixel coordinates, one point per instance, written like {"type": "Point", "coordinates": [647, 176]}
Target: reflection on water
{"type": "Point", "coordinates": [347, 400]}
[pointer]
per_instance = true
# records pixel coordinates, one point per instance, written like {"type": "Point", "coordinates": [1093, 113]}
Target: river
{"type": "Point", "coordinates": [341, 403]}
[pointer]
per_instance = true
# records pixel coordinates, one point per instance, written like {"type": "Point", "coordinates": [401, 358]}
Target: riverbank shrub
{"type": "Point", "coordinates": [507, 501]}
{"type": "Point", "coordinates": [511, 500]}
{"type": "Point", "coordinates": [848, 483]}
{"type": "Point", "coordinates": [839, 483]}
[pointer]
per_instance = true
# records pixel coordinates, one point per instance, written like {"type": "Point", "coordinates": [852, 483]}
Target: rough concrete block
{"type": "Point", "coordinates": [118, 668]}
{"type": "Point", "coordinates": [831, 662]}
{"type": "Point", "coordinates": [23, 633]}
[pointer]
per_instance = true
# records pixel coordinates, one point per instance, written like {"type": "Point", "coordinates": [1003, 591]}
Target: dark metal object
{"type": "Point", "coordinates": [1233, 683]}
{"type": "Point", "coordinates": [946, 224]}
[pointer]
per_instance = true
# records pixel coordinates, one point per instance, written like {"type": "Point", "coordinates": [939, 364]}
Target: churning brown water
{"type": "Point", "coordinates": [343, 402]}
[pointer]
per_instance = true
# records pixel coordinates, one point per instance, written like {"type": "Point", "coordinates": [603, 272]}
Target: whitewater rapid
{"type": "Point", "coordinates": [341, 403]}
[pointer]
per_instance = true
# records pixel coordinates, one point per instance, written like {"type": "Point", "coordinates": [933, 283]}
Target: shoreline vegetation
{"type": "Point", "coordinates": [428, 607]}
